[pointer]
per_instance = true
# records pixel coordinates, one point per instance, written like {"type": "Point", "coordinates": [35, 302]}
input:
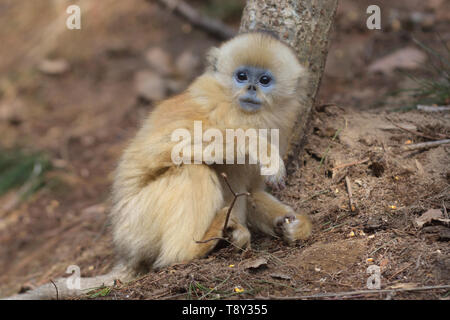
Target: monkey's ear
{"type": "Point", "coordinates": [212, 57]}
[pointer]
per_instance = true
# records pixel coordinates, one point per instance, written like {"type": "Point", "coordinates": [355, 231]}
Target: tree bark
{"type": "Point", "coordinates": [305, 25]}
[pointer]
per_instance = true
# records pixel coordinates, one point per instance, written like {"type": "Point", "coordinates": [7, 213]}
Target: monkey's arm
{"type": "Point", "coordinates": [156, 152]}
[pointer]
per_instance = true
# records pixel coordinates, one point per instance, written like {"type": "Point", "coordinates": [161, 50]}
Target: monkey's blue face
{"type": "Point", "coordinates": [252, 81]}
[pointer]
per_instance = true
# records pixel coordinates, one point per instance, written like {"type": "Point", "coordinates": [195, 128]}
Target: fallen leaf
{"type": "Point", "coordinates": [254, 264]}
{"type": "Point", "coordinates": [430, 215]}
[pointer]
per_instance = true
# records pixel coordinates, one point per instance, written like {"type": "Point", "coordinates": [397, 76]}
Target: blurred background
{"type": "Point", "coordinates": [71, 99]}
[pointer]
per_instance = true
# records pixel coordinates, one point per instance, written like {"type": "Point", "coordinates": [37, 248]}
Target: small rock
{"type": "Point", "coordinates": [53, 67]}
{"type": "Point", "coordinates": [187, 64]}
{"type": "Point", "coordinates": [406, 58]}
{"type": "Point", "coordinates": [159, 61]}
{"type": "Point", "coordinates": [150, 86]}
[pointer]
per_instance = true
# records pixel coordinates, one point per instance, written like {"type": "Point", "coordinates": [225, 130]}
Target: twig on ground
{"type": "Point", "coordinates": [214, 289]}
{"type": "Point", "coordinates": [335, 226]}
{"type": "Point", "coordinates": [414, 132]}
{"type": "Point", "coordinates": [425, 145]}
{"type": "Point", "coordinates": [432, 108]}
{"type": "Point", "coordinates": [400, 271]}
{"type": "Point", "coordinates": [350, 194]}
{"type": "Point", "coordinates": [445, 210]}
{"type": "Point", "coordinates": [325, 191]}
{"type": "Point", "coordinates": [345, 165]}
{"type": "Point", "coordinates": [210, 25]}
{"type": "Point", "coordinates": [354, 293]}
{"type": "Point", "coordinates": [56, 288]}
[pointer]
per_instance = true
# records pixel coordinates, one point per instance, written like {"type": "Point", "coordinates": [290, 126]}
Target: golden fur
{"type": "Point", "coordinates": [161, 209]}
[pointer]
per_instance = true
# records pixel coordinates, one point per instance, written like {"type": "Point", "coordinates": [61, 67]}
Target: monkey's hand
{"type": "Point", "coordinates": [292, 227]}
{"type": "Point", "coordinates": [276, 178]}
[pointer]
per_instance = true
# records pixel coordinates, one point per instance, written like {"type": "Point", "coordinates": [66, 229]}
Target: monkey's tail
{"type": "Point", "coordinates": [62, 289]}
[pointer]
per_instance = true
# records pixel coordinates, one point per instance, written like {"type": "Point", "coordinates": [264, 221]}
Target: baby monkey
{"type": "Point", "coordinates": [162, 211]}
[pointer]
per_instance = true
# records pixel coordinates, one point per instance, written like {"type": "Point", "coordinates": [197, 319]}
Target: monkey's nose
{"type": "Point", "coordinates": [251, 87]}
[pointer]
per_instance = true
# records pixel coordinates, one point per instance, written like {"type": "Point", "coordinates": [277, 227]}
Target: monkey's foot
{"type": "Point", "coordinates": [238, 235]}
{"type": "Point", "coordinates": [292, 227]}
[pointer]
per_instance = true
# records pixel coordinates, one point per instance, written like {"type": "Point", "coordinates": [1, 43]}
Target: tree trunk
{"type": "Point", "coordinates": [305, 25]}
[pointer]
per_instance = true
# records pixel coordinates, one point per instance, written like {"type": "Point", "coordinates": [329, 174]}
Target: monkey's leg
{"type": "Point", "coordinates": [215, 231]}
{"type": "Point", "coordinates": [179, 209]}
{"type": "Point", "coordinates": [272, 217]}
{"type": "Point", "coordinates": [238, 235]}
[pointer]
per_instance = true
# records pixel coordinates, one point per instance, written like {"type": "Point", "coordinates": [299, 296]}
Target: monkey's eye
{"type": "Point", "coordinates": [242, 76]}
{"type": "Point", "coordinates": [265, 80]}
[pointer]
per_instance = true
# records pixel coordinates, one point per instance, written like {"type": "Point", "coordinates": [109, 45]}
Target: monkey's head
{"type": "Point", "coordinates": [260, 71]}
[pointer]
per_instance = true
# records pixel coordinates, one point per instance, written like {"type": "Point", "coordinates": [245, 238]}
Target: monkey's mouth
{"type": "Point", "coordinates": [250, 104]}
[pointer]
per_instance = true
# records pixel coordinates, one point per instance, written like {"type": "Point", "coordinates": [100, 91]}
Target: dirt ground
{"type": "Point", "coordinates": [83, 117]}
